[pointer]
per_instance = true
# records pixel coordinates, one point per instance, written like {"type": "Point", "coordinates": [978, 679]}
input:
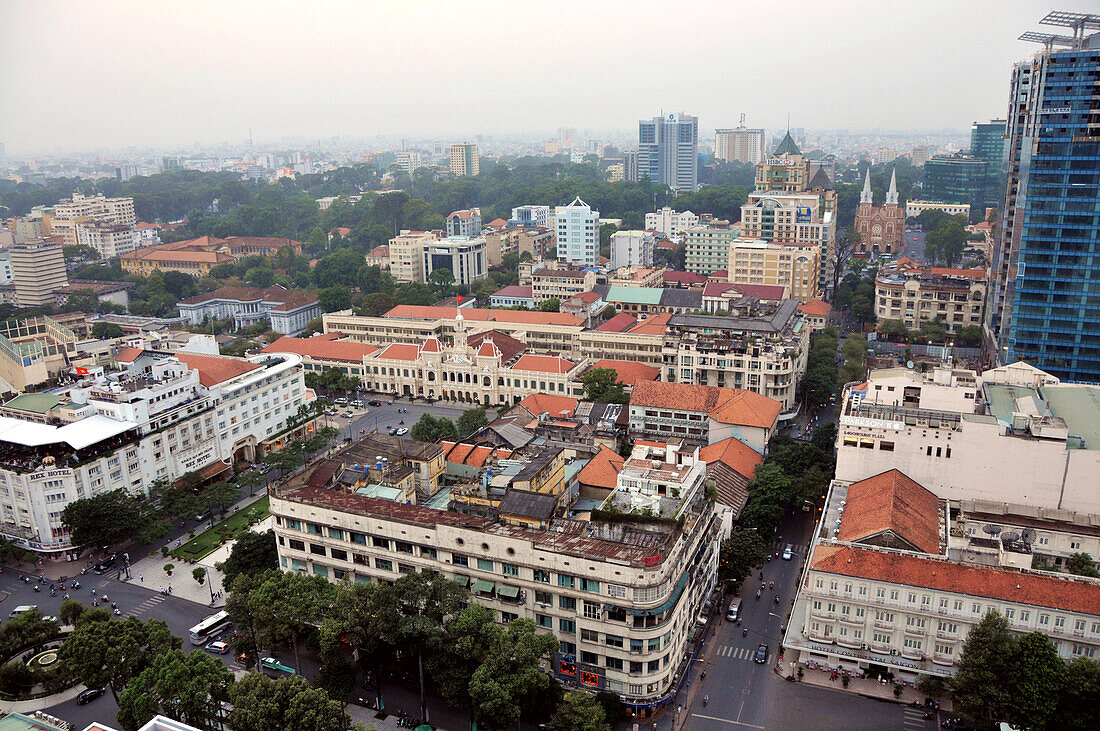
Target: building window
{"type": "Point", "coordinates": [590, 585]}
{"type": "Point", "coordinates": [509, 569]}
{"type": "Point", "coordinates": [567, 602]}
{"type": "Point", "coordinates": [566, 580]}
{"type": "Point", "coordinates": [383, 565]}
{"type": "Point", "coordinates": [613, 641]}
{"type": "Point", "coordinates": [542, 576]}
{"type": "Point", "coordinates": [317, 549]}
{"type": "Point", "coordinates": [339, 555]}
{"type": "Point", "coordinates": [590, 635]}
{"type": "Point", "coordinates": [297, 545]}
{"type": "Point", "coordinates": [591, 610]}
{"type": "Point", "coordinates": [459, 560]}
{"type": "Point", "coordinates": [544, 597]}
{"type": "Point", "coordinates": [484, 564]}
{"type": "Point", "coordinates": [544, 620]}
{"type": "Point", "coordinates": [567, 625]}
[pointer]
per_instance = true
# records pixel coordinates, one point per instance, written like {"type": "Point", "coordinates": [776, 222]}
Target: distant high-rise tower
{"type": "Point", "coordinates": [987, 143]}
{"type": "Point", "coordinates": [1044, 303]}
{"type": "Point", "coordinates": [668, 150]}
{"type": "Point", "coordinates": [464, 160]}
{"type": "Point", "coordinates": [740, 144]}
{"type": "Point", "coordinates": [578, 233]}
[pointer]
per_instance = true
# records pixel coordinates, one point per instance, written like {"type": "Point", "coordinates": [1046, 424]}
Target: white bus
{"type": "Point", "coordinates": [207, 628]}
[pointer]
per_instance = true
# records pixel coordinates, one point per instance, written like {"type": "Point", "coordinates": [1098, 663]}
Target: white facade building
{"type": "Point", "coordinates": [530, 216]}
{"type": "Point", "coordinates": [578, 233]}
{"type": "Point", "coordinates": [631, 248]}
{"type": "Point", "coordinates": [740, 144]}
{"type": "Point", "coordinates": [670, 223]}
{"type": "Point", "coordinates": [109, 239]}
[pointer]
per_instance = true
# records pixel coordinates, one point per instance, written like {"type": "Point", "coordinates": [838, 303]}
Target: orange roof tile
{"type": "Point", "coordinates": [602, 470]}
{"type": "Point", "coordinates": [399, 351]}
{"type": "Point", "coordinates": [735, 454]}
{"type": "Point", "coordinates": [629, 372]}
{"type": "Point", "coordinates": [964, 273]}
{"type": "Point", "coordinates": [472, 314]}
{"type": "Point", "coordinates": [498, 223]}
{"type": "Point", "coordinates": [322, 348]}
{"type": "Point", "coordinates": [816, 308]}
{"type": "Point", "coordinates": [543, 364]}
{"type": "Point", "coordinates": [458, 454]}
{"type": "Point", "coordinates": [215, 369]}
{"type": "Point", "coordinates": [652, 325]}
{"type": "Point", "coordinates": [431, 345]}
{"type": "Point", "coordinates": [488, 350]}
{"type": "Point", "coordinates": [726, 405]}
{"type": "Point", "coordinates": [618, 323]}
{"type": "Point", "coordinates": [128, 355]}
{"type": "Point", "coordinates": [380, 252]}
{"type": "Point", "coordinates": [546, 403]}
{"type": "Point", "coordinates": [980, 581]}
{"type": "Point", "coordinates": [892, 501]}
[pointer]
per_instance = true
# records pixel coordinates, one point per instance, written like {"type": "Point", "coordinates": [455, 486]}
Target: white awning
{"type": "Point", "coordinates": [77, 435]}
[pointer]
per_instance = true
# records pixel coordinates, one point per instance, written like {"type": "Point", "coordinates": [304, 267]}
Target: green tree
{"type": "Point", "coordinates": [79, 252]}
{"type": "Point", "coordinates": [338, 678]}
{"type": "Point", "coordinates": [551, 305]}
{"type": "Point", "coordinates": [741, 553]}
{"type": "Point", "coordinates": [185, 687]}
{"type": "Point", "coordinates": [470, 636]}
{"type": "Point", "coordinates": [288, 458]}
{"type": "Point", "coordinates": [314, 326]}
{"type": "Point", "coordinates": [106, 331]}
{"type": "Point", "coordinates": [442, 279]}
{"type": "Point", "coordinates": [261, 704]}
{"type": "Point", "coordinates": [376, 304]}
{"type": "Point", "coordinates": [104, 652]}
{"type": "Point", "coordinates": [470, 421]}
{"type": "Point", "coordinates": [1035, 682]}
{"type": "Point", "coordinates": [334, 298]}
{"type": "Point", "coordinates": [260, 276]}
{"type": "Point", "coordinates": [29, 628]}
{"type": "Point", "coordinates": [579, 711]}
{"type": "Point", "coordinates": [979, 689]}
{"type": "Point", "coordinates": [433, 429]}
{"type": "Point", "coordinates": [511, 678]}
{"type": "Point", "coordinates": [946, 242]}
{"type": "Point", "coordinates": [1077, 702]}
{"type": "Point", "coordinates": [286, 606]}
{"type": "Point", "coordinates": [970, 335]}
{"type": "Point", "coordinates": [602, 385]}
{"type": "Point", "coordinates": [253, 553]}
{"type": "Point", "coordinates": [1082, 564]}
{"type": "Point", "coordinates": [105, 519]}
{"type": "Point", "coordinates": [251, 479]}
{"type": "Point", "coordinates": [69, 611]}
{"type": "Point", "coordinates": [893, 329]}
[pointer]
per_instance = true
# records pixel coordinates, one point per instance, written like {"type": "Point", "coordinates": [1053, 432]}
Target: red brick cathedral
{"type": "Point", "coordinates": [879, 229]}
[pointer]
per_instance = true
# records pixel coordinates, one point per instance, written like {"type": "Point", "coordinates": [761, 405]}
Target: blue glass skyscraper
{"type": "Point", "coordinates": [1044, 303]}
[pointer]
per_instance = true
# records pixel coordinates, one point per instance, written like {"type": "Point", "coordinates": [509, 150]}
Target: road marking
{"type": "Point", "coordinates": [726, 720]}
{"type": "Point", "coordinates": [914, 722]}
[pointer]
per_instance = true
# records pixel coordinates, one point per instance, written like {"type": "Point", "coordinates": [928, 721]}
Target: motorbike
{"type": "Point", "coordinates": [53, 592]}
{"type": "Point", "coordinates": [37, 587]}
{"type": "Point", "coordinates": [745, 632]}
{"type": "Point", "coordinates": [776, 598]}
{"type": "Point", "coordinates": [758, 594]}
{"type": "Point", "coordinates": [706, 700]}
{"type": "Point", "coordinates": [76, 585]}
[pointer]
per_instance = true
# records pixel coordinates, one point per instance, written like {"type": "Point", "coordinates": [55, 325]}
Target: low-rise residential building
{"type": "Point", "coordinates": [34, 350]}
{"type": "Point", "coordinates": [651, 300]}
{"type": "Point", "coordinates": [464, 223]}
{"type": "Point", "coordinates": [794, 267]}
{"type": "Point", "coordinates": [636, 276]}
{"type": "Point", "coordinates": [896, 578]}
{"type": "Point", "coordinates": [631, 249]}
{"type": "Point", "coordinates": [109, 239]}
{"type": "Point", "coordinates": [115, 293]}
{"type": "Point", "coordinates": [725, 297]}
{"type": "Point", "coordinates": [620, 596]}
{"type": "Point", "coordinates": [530, 216]}
{"type": "Point", "coordinates": [535, 242]}
{"type": "Point", "coordinates": [1013, 435]}
{"type": "Point", "coordinates": [702, 414]}
{"type": "Point", "coordinates": [669, 222]}
{"type": "Point", "coordinates": [760, 346]}
{"type": "Point", "coordinates": [287, 310]}
{"type": "Point", "coordinates": [560, 283]}
{"type": "Point", "coordinates": [816, 313]}
{"type": "Point", "coordinates": [913, 209]}
{"type": "Point", "coordinates": [585, 306]}
{"type": "Point", "coordinates": [512, 296]}
{"type": "Point", "coordinates": [707, 247]}
{"type": "Point", "coordinates": [379, 257]}
{"type": "Point", "coordinates": [915, 294]}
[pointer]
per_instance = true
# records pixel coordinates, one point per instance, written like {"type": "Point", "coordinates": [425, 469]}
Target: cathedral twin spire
{"type": "Point", "coordinates": [891, 195]}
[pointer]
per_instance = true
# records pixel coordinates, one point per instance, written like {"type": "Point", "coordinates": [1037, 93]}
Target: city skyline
{"type": "Point", "coordinates": [208, 73]}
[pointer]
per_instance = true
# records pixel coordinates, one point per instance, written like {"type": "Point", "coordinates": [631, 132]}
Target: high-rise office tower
{"type": "Point", "coordinates": [1044, 303]}
{"type": "Point", "coordinates": [578, 233]}
{"type": "Point", "coordinates": [668, 150]}
{"type": "Point", "coordinates": [740, 144]}
{"type": "Point", "coordinates": [464, 160]}
{"type": "Point", "coordinates": [38, 268]}
{"type": "Point", "coordinates": [987, 143]}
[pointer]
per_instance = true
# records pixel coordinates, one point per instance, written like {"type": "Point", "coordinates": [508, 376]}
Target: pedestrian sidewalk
{"type": "Point", "coordinates": [867, 687]}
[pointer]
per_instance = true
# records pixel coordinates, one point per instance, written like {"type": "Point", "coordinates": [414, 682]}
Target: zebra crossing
{"type": "Point", "coordinates": [914, 717]}
{"type": "Point", "coordinates": [737, 653]}
{"type": "Point", "coordinates": [146, 605]}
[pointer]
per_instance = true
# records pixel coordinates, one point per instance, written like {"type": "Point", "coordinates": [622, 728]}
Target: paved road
{"type": "Point", "coordinates": [387, 415]}
{"type": "Point", "coordinates": [914, 246]}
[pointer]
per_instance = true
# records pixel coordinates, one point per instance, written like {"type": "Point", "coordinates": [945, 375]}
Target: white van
{"type": "Point", "coordinates": [734, 611]}
{"type": "Point", "coordinates": [23, 609]}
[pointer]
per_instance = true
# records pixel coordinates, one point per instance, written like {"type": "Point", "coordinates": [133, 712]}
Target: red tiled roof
{"type": "Point", "coordinates": [629, 372]}
{"type": "Point", "coordinates": [488, 350]}
{"type": "Point", "coordinates": [399, 351]}
{"type": "Point", "coordinates": [469, 454]}
{"type": "Point", "coordinates": [458, 452]}
{"type": "Point", "coordinates": [588, 297]}
{"type": "Point", "coordinates": [507, 346]}
{"type": "Point", "coordinates": [980, 581]}
{"type": "Point", "coordinates": [128, 355]}
{"type": "Point", "coordinates": [683, 277]}
{"type": "Point", "coordinates": [652, 325]}
{"type": "Point", "coordinates": [461, 214]}
{"type": "Point", "coordinates": [322, 348]}
{"type": "Point", "coordinates": [215, 369]}
{"type": "Point", "coordinates": [602, 470]}
{"type": "Point", "coordinates": [735, 454]}
{"type": "Point", "coordinates": [472, 314]}
{"type": "Point", "coordinates": [720, 275]}
{"type": "Point", "coordinates": [431, 345]}
{"type": "Point", "coordinates": [619, 323]}
{"type": "Point", "coordinates": [380, 252]}
{"type": "Point", "coordinates": [726, 405]}
{"type": "Point", "coordinates": [514, 290]}
{"type": "Point", "coordinates": [543, 364]}
{"type": "Point", "coordinates": [546, 403]}
{"type": "Point", "coordinates": [498, 223]}
{"type": "Point", "coordinates": [976, 274]}
{"type": "Point", "coordinates": [816, 308]}
{"type": "Point", "coordinates": [892, 501]}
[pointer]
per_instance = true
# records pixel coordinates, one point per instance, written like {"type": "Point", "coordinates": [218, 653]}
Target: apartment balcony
{"type": "Point", "coordinates": [880, 624]}
{"type": "Point", "coordinates": [820, 636]}
{"type": "Point", "coordinates": [919, 631]}
{"type": "Point", "coordinates": [947, 635]}
{"type": "Point", "coordinates": [941, 659]}
{"type": "Point", "coordinates": [910, 653]}
{"type": "Point", "coordinates": [880, 647]}
{"type": "Point", "coordinates": [849, 642]}
{"type": "Point", "coordinates": [849, 619]}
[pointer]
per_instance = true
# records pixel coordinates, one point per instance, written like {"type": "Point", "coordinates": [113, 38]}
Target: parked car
{"type": "Point", "coordinates": [734, 611]}
{"type": "Point", "coordinates": [788, 552]}
{"type": "Point", "coordinates": [105, 565]}
{"type": "Point", "coordinates": [89, 695]}
{"type": "Point", "coordinates": [761, 655]}
{"type": "Point", "coordinates": [218, 648]}
{"type": "Point", "coordinates": [402, 432]}
{"type": "Point", "coordinates": [340, 401]}
{"type": "Point", "coordinates": [392, 430]}
{"type": "Point", "coordinates": [375, 402]}
{"type": "Point", "coordinates": [356, 404]}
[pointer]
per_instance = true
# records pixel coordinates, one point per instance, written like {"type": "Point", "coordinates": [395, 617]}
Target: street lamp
{"type": "Point", "coordinates": [210, 585]}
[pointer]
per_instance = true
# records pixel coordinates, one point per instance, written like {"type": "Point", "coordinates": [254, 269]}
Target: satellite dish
{"type": "Point", "coordinates": [1028, 535]}
{"type": "Point", "coordinates": [991, 529]}
{"type": "Point", "coordinates": [909, 364]}
{"type": "Point", "coordinates": [1010, 536]}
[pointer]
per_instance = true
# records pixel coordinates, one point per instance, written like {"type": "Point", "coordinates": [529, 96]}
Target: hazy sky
{"type": "Point", "coordinates": [78, 75]}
